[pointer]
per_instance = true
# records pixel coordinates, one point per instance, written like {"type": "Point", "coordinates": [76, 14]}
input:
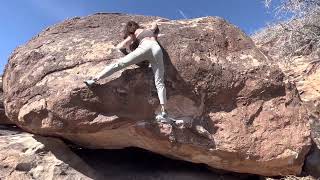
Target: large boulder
{"type": "Point", "coordinates": [234, 110]}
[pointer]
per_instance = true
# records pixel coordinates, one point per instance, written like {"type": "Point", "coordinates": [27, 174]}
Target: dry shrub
{"type": "Point", "coordinates": [298, 34]}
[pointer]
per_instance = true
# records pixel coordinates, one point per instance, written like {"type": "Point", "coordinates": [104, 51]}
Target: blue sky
{"type": "Point", "coordinates": [22, 19]}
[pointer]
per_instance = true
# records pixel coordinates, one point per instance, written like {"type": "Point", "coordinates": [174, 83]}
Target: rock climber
{"type": "Point", "coordinates": [146, 47]}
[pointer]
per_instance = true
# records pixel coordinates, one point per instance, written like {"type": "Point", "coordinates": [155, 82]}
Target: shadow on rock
{"type": "Point", "coordinates": [134, 163]}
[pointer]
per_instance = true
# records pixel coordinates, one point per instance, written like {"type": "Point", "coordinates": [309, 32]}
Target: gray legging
{"type": "Point", "coordinates": [147, 50]}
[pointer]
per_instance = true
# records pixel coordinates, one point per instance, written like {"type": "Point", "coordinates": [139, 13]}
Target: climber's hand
{"type": "Point", "coordinates": [160, 35]}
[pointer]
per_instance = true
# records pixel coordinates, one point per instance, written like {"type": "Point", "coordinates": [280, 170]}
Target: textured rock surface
{"type": "Point", "coordinates": [314, 112]}
{"type": "Point", "coordinates": [26, 156]}
{"type": "Point", "coordinates": [3, 118]}
{"type": "Point", "coordinates": [238, 113]}
{"type": "Point", "coordinates": [304, 71]}
{"type": "Point", "coordinates": [312, 162]}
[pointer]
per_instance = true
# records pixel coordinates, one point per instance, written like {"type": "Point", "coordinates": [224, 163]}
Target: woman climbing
{"type": "Point", "coordinates": [148, 49]}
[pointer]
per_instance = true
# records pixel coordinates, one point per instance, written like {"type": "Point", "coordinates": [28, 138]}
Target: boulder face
{"type": "Point", "coordinates": [233, 109]}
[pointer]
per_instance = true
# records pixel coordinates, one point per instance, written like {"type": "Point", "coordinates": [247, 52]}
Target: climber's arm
{"type": "Point", "coordinates": [125, 43]}
{"type": "Point", "coordinates": [154, 26]}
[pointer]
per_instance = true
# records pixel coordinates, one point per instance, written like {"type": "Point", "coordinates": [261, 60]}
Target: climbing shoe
{"type": "Point", "coordinates": [162, 117]}
{"type": "Point", "coordinates": [90, 82]}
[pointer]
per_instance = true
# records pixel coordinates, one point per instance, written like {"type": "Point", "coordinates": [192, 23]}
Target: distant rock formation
{"type": "Point", "coordinates": [234, 108]}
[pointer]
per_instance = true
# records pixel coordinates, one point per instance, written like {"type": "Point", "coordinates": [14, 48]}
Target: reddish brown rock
{"type": "Point", "coordinates": [302, 69]}
{"type": "Point", "coordinates": [237, 112]}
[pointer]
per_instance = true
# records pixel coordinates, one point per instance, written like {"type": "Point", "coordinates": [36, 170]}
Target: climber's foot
{"type": "Point", "coordinates": [162, 118]}
{"type": "Point", "coordinates": [90, 82]}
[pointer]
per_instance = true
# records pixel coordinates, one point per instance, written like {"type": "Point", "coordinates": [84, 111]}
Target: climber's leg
{"type": "Point", "coordinates": [158, 70]}
{"type": "Point", "coordinates": [134, 57]}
